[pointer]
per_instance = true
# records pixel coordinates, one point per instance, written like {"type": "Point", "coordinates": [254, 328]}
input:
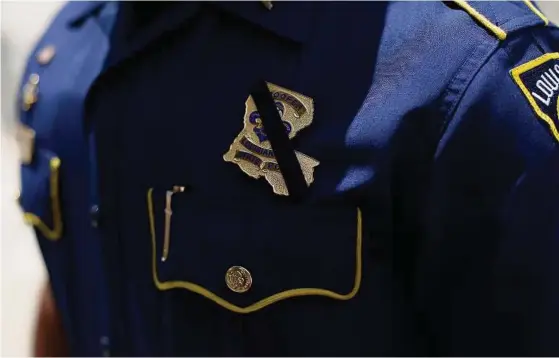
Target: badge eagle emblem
{"type": "Point", "coordinates": [251, 149]}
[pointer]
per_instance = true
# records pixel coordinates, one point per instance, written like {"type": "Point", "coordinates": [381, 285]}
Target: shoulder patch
{"type": "Point", "coordinates": [539, 81]}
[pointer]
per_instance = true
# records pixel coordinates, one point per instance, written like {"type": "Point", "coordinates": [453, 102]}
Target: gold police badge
{"type": "Point", "coordinates": [251, 149]}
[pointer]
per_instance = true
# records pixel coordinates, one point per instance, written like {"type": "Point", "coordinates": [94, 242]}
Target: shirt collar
{"type": "Point", "coordinates": [291, 20]}
{"type": "Point", "coordinates": [83, 11]}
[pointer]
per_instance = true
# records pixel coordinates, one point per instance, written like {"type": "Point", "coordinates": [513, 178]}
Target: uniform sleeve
{"type": "Point", "coordinates": [488, 275]}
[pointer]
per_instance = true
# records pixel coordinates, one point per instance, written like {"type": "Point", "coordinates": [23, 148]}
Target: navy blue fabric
{"type": "Point", "coordinates": [79, 36]}
{"type": "Point", "coordinates": [417, 121]}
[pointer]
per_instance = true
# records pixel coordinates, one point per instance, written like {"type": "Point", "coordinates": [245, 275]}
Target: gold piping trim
{"type": "Point", "coordinates": [537, 12]}
{"type": "Point", "coordinates": [516, 72]}
{"type": "Point", "coordinates": [496, 30]}
{"type": "Point", "coordinates": [168, 285]}
{"type": "Point", "coordinates": [56, 232]}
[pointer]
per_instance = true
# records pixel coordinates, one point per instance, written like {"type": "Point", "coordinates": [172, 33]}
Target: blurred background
{"type": "Point", "coordinates": [22, 267]}
{"type": "Point", "coordinates": [23, 272]}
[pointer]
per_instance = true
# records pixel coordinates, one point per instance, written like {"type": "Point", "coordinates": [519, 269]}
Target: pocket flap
{"type": "Point", "coordinates": [317, 251]}
{"type": "Point", "coordinates": [40, 198]}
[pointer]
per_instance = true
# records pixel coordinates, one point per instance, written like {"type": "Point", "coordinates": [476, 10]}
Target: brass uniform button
{"type": "Point", "coordinates": [238, 279]}
{"type": "Point", "coordinates": [30, 92]}
{"type": "Point", "coordinates": [46, 54]}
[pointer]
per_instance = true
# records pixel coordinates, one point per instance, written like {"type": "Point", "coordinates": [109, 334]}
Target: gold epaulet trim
{"type": "Point", "coordinates": [56, 232]}
{"type": "Point", "coordinates": [536, 11]}
{"type": "Point", "coordinates": [494, 29]}
{"type": "Point", "coordinates": [280, 296]}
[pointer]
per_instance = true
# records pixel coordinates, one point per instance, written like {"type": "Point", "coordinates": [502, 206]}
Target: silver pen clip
{"type": "Point", "coordinates": [168, 213]}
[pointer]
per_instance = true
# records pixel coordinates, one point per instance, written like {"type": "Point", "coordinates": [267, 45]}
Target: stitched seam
{"type": "Point", "coordinates": [488, 46]}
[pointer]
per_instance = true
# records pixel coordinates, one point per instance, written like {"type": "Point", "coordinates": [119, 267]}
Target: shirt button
{"type": "Point", "coordinates": [238, 279]}
{"type": "Point", "coordinates": [94, 213]}
{"type": "Point", "coordinates": [46, 54]}
{"type": "Point", "coordinates": [104, 341]}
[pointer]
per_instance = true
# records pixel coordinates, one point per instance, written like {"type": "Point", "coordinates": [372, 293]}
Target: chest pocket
{"type": "Point", "coordinates": [40, 196]}
{"type": "Point", "coordinates": [242, 258]}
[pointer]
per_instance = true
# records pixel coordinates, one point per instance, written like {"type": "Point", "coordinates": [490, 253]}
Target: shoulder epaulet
{"type": "Point", "coordinates": [502, 17]}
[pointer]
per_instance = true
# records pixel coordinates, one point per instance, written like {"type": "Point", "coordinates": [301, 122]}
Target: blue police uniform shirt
{"type": "Point", "coordinates": [318, 178]}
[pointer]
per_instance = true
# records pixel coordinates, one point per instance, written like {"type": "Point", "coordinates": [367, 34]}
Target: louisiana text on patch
{"type": "Point", "coordinates": [539, 81]}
